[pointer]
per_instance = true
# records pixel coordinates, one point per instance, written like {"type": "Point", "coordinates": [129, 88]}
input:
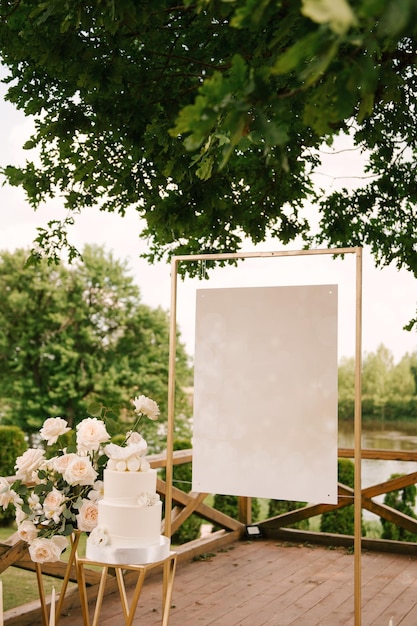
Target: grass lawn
{"type": "Point", "coordinates": [20, 586]}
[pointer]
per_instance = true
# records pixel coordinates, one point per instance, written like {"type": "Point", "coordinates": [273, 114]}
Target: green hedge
{"type": "Point", "coordinates": [229, 505]}
{"type": "Point", "coordinates": [12, 444]}
{"type": "Point", "coordinates": [403, 500]}
{"type": "Point", "coordinates": [278, 507]}
{"type": "Point", "coordinates": [341, 521]}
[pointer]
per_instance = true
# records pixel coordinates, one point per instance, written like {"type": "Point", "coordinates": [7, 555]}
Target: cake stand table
{"type": "Point", "coordinates": [168, 566]}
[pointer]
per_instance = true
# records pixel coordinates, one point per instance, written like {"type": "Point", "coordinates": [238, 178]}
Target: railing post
{"type": "Point", "coordinates": [245, 510]}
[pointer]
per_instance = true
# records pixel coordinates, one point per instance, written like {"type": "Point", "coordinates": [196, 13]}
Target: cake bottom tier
{"type": "Point", "coordinates": [142, 555]}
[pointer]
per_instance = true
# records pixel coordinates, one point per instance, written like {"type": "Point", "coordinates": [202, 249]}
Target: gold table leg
{"type": "Point", "coordinates": [168, 569]}
{"type": "Point", "coordinates": [72, 560]}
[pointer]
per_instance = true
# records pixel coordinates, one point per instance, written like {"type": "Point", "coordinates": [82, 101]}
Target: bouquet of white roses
{"type": "Point", "coordinates": [56, 496]}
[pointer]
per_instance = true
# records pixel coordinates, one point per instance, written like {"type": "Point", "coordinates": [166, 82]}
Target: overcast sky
{"type": "Point", "coordinates": [389, 296]}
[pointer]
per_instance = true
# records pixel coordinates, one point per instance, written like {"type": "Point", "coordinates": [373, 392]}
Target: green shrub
{"type": "Point", "coordinates": [229, 505]}
{"type": "Point", "coordinates": [402, 500]}
{"type": "Point", "coordinates": [341, 521]}
{"type": "Point", "coordinates": [278, 507]}
{"type": "Point", "coordinates": [12, 445]}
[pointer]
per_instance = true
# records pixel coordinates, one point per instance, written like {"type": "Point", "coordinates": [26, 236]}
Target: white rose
{"type": "Point", "coordinates": [53, 428]}
{"type": "Point", "coordinates": [80, 471]}
{"type": "Point", "coordinates": [27, 531]}
{"type": "Point", "coordinates": [53, 505]}
{"type": "Point", "coordinates": [337, 13]}
{"type": "Point", "coordinates": [28, 464]}
{"type": "Point", "coordinates": [6, 494]}
{"type": "Point", "coordinates": [44, 550]}
{"type": "Point", "coordinates": [20, 516]}
{"type": "Point", "coordinates": [99, 536]}
{"type": "Point", "coordinates": [148, 499]}
{"type": "Point", "coordinates": [91, 432]}
{"type": "Point", "coordinates": [97, 492]}
{"type": "Point", "coordinates": [35, 504]}
{"type": "Point", "coordinates": [60, 463]}
{"type": "Point", "coordinates": [146, 406]}
{"type": "Point", "coordinates": [88, 516]}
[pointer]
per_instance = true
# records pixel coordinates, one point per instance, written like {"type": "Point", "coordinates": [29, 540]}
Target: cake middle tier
{"type": "Point", "coordinates": [131, 525]}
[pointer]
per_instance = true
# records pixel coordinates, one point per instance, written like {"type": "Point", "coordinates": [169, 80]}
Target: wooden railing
{"type": "Point", "coordinates": [14, 553]}
{"type": "Point", "coordinates": [277, 527]}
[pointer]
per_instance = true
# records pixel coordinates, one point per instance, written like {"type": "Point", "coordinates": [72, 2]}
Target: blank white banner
{"type": "Point", "coordinates": [265, 392]}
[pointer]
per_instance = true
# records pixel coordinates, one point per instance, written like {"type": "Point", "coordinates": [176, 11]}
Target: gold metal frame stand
{"type": "Point", "coordinates": [74, 539]}
{"type": "Point", "coordinates": [168, 565]}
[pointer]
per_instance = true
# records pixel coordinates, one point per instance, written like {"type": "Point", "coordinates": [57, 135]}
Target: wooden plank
{"type": "Point", "coordinates": [390, 485]}
{"type": "Point", "coordinates": [392, 515]}
{"type": "Point", "coordinates": [179, 457]}
{"type": "Point", "coordinates": [379, 454]}
{"type": "Point", "coordinates": [9, 555]}
{"type": "Point", "coordinates": [203, 510]}
{"type": "Point", "coordinates": [345, 495]}
{"type": "Point", "coordinates": [263, 583]}
{"type": "Point", "coordinates": [179, 518]}
{"type": "Point", "coordinates": [294, 535]}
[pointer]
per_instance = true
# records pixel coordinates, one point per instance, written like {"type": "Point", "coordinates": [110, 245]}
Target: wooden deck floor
{"type": "Point", "coordinates": [268, 583]}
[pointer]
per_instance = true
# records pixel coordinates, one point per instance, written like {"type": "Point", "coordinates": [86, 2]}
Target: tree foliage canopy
{"type": "Point", "coordinates": [389, 391]}
{"type": "Point", "coordinates": [208, 116]}
{"type": "Point", "coordinates": [74, 336]}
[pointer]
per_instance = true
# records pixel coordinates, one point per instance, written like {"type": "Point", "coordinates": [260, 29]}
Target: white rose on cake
{"type": "Point", "coordinates": [148, 499]}
{"type": "Point", "coordinates": [99, 537]}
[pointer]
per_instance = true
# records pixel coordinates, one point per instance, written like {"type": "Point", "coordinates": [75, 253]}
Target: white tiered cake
{"type": "Point", "coordinates": [129, 515]}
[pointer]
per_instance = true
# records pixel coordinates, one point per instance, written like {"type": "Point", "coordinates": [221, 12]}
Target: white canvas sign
{"type": "Point", "coordinates": [265, 392]}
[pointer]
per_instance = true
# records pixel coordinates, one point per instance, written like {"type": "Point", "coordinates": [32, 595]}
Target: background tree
{"type": "Point", "coordinates": [376, 371]}
{"type": "Point", "coordinates": [208, 117]}
{"type": "Point", "coordinates": [402, 380]}
{"type": "Point", "coordinates": [70, 336]}
{"type": "Point", "coordinates": [346, 387]}
{"type": "Point", "coordinates": [388, 389]}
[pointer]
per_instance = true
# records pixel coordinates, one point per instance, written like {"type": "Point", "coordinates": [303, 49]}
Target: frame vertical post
{"type": "Point", "coordinates": [358, 442]}
{"type": "Point", "coordinates": [171, 397]}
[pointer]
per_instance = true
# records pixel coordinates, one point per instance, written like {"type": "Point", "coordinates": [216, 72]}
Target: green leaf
{"type": "Point", "coordinates": [95, 409]}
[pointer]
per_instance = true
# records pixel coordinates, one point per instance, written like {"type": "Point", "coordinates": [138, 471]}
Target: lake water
{"type": "Point", "coordinates": [382, 435]}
